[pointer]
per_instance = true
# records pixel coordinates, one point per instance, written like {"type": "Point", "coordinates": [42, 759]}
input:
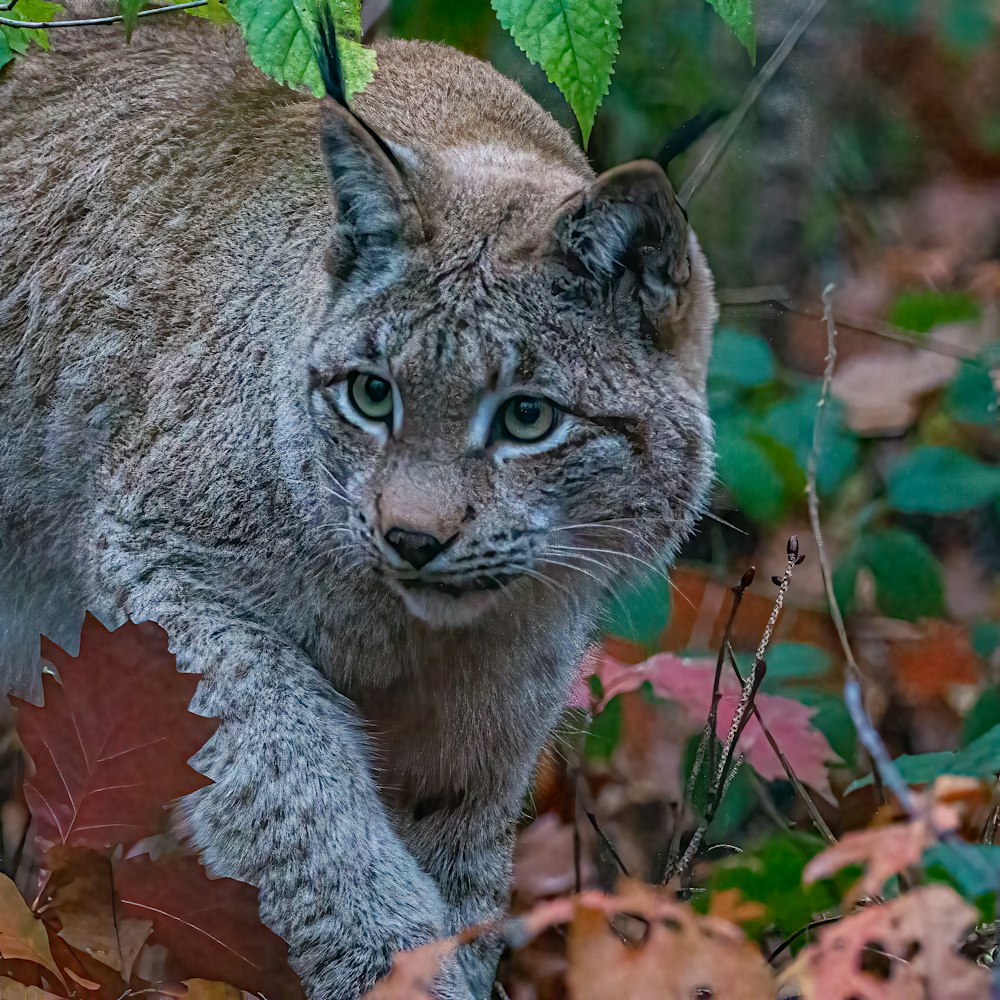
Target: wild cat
{"type": "Point", "coordinates": [371, 459]}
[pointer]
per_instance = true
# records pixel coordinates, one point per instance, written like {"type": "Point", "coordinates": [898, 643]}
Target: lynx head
{"type": "Point", "coordinates": [508, 384]}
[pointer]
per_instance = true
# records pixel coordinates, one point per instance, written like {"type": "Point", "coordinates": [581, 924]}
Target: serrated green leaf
{"type": "Point", "coordinates": [941, 481]}
{"type": "Point", "coordinates": [574, 41]}
{"type": "Point", "coordinates": [982, 717]}
{"type": "Point", "coordinates": [280, 36]}
{"type": "Point", "coordinates": [15, 41]}
{"type": "Point", "coordinates": [604, 731]}
{"type": "Point", "coordinates": [908, 579]}
{"type": "Point", "coordinates": [739, 16]}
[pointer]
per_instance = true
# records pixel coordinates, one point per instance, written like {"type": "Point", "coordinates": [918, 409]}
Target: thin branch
{"type": "Point", "coordinates": [607, 843]}
{"type": "Point", "coordinates": [820, 922]}
{"type": "Point", "coordinates": [755, 88]}
{"type": "Point", "coordinates": [88, 21]}
{"type": "Point", "coordinates": [803, 793]}
{"type": "Point", "coordinates": [867, 733]}
{"type": "Point", "coordinates": [779, 297]}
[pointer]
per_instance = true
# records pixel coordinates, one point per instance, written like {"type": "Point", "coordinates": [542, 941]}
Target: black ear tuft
{"type": "Point", "coordinates": [327, 56]}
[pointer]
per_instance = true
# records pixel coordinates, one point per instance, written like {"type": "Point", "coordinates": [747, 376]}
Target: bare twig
{"type": "Point", "coordinates": [592, 819]}
{"type": "Point", "coordinates": [88, 21]}
{"type": "Point", "coordinates": [820, 922]}
{"type": "Point", "coordinates": [780, 298]}
{"type": "Point", "coordinates": [867, 733]}
{"type": "Point", "coordinates": [755, 88]}
{"type": "Point", "coordinates": [803, 793]}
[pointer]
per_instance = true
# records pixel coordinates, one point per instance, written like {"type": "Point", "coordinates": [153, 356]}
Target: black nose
{"type": "Point", "coordinates": [416, 548]}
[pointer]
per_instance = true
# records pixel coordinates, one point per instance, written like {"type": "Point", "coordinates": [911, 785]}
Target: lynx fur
{"type": "Point", "coordinates": [199, 270]}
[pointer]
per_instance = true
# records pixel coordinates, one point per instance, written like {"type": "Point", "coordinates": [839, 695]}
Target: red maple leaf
{"type": "Point", "coordinates": [209, 925]}
{"type": "Point", "coordinates": [110, 745]}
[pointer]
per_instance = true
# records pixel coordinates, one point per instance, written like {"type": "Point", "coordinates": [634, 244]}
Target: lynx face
{"type": "Point", "coordinates": [490, 435]}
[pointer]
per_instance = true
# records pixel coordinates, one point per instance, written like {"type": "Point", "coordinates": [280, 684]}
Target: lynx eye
{"type": "Point", "coordinates": [371, 395]}
{"type": "Point", "coordinates": [526, 418]}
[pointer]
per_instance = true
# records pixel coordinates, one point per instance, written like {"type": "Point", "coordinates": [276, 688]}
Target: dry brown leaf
{"type": "Point", "coordinates": [903, 949]}
{"type": "Point", "coordinates": [79, 898]}
{"type": "Point", "coordinates": [882, 392]}
{"type": "Point", "coordinates": [729, 904]}
{"type": "Point", "coordinates": [10, 989]}
{"type": "Point", "coordinates": [22, 934]}
{"type": "Point", "coordinates": [930, 664]}
{"type": "Point", "coordinates": [683, 953]}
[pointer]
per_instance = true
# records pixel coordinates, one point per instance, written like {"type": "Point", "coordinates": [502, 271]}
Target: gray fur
{"type": "Point", "coordinates": [181, 301]}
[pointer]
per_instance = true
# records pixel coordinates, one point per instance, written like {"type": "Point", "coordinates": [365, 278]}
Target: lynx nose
{"type": "Point", "coordinates": [415, 547]}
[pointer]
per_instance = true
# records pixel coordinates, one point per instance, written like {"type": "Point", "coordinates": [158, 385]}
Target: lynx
{"type": "Point", "coordinates": [372, 458]}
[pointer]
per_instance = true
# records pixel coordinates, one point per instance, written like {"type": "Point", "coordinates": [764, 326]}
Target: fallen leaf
{"type": "Point", "coordinates": [79, 899]}
{"type": "Point", "coordinates": [109, 747]}
{"type": "Point", "coordinates": [22, 934]}
{"type": "Point", "coordinates": [882, 392]}
{"type": "Point", "coordinates": [10, 989]}
{"type": "Point", "coordinates": [905, 948]}
{"type": "Point", "coordinates": [211, 926]}
{"type": "Point", "coordinates": [885, 851]}
{"type": "Point", "coordinates": [682, 955]}
{"type": "Point", "coordinates": [940, 657]}
{"type": "Point", "coordinates": [689, 684]}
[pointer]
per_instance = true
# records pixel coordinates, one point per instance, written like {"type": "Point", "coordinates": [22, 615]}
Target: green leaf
{"type": "Point", "coordinates": [771, 875]}
{"type": "Point", "coordinates": [741, 359]}
{"type": "Point", "coordinates": [793, 661]}
{"type": "Point", "coordinates": [760, 474]}
{"type": "Point", "coordinates": [604, 732]}
{"type": "Point", "coordinates": [931, 480]}
{"type": "Point", "coordinates": [974, 868]}
{"type": "Point", "coordinates": [791, 422]}
{"type": "Point", "coordinates": [279, 35]}
{"type": "Point", "coordinates": [983, 716]}
{"type": "Point", "coordinates": [15, 41]}
{"type": "Point", "coordinates": [979, 759]}
{"type": "Point", "coordinates": [215, 11]}
{"type": "Point", "coordinates": [129, 10]}
{"type": "Point", "coordinates": [739, 16]}
{"type": "Point", "coordinates": [639, 612]}
{"type": "Point", "coordinates": [574, 41]}
{"type": "Point", "coordinates": [972, 397]}
{"type": "Point", "coordinates": [922, 311]}
{"type": "Point", "coordinates": [908, 579]}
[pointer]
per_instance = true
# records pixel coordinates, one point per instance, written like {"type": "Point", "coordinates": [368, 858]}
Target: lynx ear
{"type": "Point", "coordinates": [377, 217]}
{"type": "Point", "coordinates": [627, 234]}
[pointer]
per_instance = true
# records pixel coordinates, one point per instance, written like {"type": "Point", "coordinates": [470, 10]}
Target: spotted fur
{"type": "Point", "coordinates": [182, 304]}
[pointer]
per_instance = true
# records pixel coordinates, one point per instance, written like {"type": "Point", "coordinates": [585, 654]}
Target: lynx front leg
{"type": "Point", "coordinates": [468, 849]}
{"type": "Point", "coordinates": [294, 808]}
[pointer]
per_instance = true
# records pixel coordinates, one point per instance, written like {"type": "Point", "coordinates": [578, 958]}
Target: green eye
{"type": "Point", "coordinates": [526, 418]}
{"type": "Point", "coordinates": [371, 395]}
